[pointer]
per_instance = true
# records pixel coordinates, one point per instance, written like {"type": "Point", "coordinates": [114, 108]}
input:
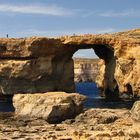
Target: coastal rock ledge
{"type": "Point", "coordinates": [41, 64]}
{"type": "Point", "coordinates": [54, 107]}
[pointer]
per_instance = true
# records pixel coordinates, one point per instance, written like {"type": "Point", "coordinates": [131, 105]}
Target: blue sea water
{"type": "Point", "coordinates": [93, 99]}
{"type": "Point", "coordinates": [90, 90]}
{"type": "Point", "coordinates": [6, 106]}
{"type": "Point", "coordinates": [87, 88]}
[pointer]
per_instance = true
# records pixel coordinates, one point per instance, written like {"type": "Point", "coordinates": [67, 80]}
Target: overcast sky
{"type": "Point", "coordinates": [20, 18]}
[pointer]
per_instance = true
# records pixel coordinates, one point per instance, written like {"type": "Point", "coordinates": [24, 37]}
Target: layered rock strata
{"type": "Point", "coordinates": [41, 64]}
{"type": "Point", "coordinates": [85, 70]}
{"type": "Point", "coordinates": [34, 65]}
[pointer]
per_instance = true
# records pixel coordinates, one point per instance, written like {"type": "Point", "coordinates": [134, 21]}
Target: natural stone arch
{"type": "Point", "coordinates": [106, 53]}
{"type": "Point", "coordinates": [31, 65]}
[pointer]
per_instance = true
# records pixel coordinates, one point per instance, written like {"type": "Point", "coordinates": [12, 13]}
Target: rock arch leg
{"type": "Point", "coordinates": [110, 87]}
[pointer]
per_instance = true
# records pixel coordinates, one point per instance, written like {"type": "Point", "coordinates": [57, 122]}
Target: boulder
{"type": "Point", "coordinates": [52, 106]}
{"type": "Point", "coordinates": [135, 111]}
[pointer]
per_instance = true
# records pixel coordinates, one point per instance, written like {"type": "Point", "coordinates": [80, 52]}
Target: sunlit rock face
{"type": "Point", "coordinates": [34, 65]}
{"type": "Point", "coordinates": [119, 68]}
{"type": "Point", "coordinates": [45, 64]}
{"type": "Point", "coordinates": [135, 112]}
{"type": "Point", "coordinates": [54, 107]}
{"type": "Point", "coordinates": [85, 70]}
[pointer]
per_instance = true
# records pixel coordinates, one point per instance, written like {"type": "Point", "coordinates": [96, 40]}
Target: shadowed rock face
{"type": "Point", "coordinates": [45, 64]}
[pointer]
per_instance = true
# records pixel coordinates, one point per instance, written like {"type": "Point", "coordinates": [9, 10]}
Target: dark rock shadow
{"type": "Point", "coordinates": [102, 103]}
{"type": "Point", "coordinates": [6, 104]}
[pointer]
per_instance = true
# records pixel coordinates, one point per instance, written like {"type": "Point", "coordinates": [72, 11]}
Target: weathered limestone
{"type": "Point", "coordinates": [103, 124]}
{"type": "Point", "coordinates": [36, 64]}
{"type": "Point", "coordinates": [85, 70]}
{"type": "Point", "coordinates": [54, 107]}
{"type": "Point", "coordinates": [135, 111]}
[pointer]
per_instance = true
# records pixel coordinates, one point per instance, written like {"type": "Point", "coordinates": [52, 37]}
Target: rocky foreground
{"type": "Point", "coordinates": [100, 124]}
{"type": "Point", "coordinates": [34, 113]}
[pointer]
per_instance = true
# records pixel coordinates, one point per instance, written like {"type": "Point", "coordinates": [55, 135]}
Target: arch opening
{"type": "Point", "coordinates": [109, 87]}
{"type": "Point", "coordinates": [85, 65]}
{"type": "Point", "coordinates": [129, 90]}
{"type": "Point", "coordinates": [85, 72]}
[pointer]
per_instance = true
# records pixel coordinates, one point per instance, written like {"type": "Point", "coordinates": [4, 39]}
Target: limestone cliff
{"type": "Point", "coordinates": [85, 69]}
{"type": "Point", "coordinates": [40, 64]}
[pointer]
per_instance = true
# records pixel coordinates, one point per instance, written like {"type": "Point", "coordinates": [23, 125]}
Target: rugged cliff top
{"type": "Point", "coordinates": [132, 35]}
{"type": "Point", "coordinates": [39, 46]}
{"type": "Point", "coordinates": [40, 63]}
{"type": "Point", "coordinates": [86, 60]}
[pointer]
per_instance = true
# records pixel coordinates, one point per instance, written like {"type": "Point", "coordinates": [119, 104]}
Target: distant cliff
{"type": "Point", "coordinates": [85, 70]}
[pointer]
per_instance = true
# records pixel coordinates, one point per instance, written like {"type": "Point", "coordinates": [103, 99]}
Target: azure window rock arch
{"type": "Point", "coordinates": [41, 64]}
{"type": "Point", "coordinates": [108, 86]}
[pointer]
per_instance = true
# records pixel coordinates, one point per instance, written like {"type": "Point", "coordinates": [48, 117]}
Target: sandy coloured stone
{"type": "Point", "coordinates": [41, 64]}
{"type": "Point", "coordinates": [54, 107]}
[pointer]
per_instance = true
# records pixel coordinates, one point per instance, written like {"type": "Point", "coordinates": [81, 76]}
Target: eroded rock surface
{"type": "Point", "coordinates": [104, 124]}
{"type": "Point", "coordinates": [135, 111]}
{"type": "Point", "coordinates": [54, 107]}
{"type": "Point", "coordinates": [85, 70]}
{"type": "Point", "coordinates": [36, 64]}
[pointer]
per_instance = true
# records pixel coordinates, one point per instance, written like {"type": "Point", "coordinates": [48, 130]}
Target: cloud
{"type": "Point", "coordinates": [35, 9]}
{"type": "Point", "coordinates": [55, 10]}
{"type": "Point", "coordinates": [124, 13]}
{"type": "Point", "coordinates": [110, 13]}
